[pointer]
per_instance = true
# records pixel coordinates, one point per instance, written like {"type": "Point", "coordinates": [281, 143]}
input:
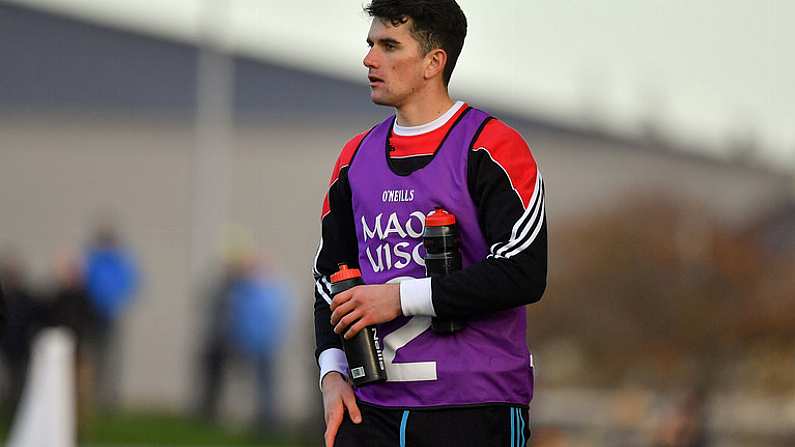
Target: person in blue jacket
{"type": "Point", "coordinates": [259, 316]}
{"type": "Point", "coordinates": [112, 280]}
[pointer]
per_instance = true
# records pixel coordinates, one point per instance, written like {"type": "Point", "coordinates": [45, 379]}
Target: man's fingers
{"type": "Point", "coordinates": [353, 408]}
{"type": "Point", "coordinates": [353, 330]}
{"type": "Point", "coordinates": [341, 311]}
{"type": "Point", "coordinates": [331, 414]}
{"type": "Point", "coordinates": [346, 321]}
{"type": "Point", "coordinates": [331, 433]}
{"type": "Point", "coordinates": [342, 297]}
{"type": "Point", "coordinates": [333, 422]}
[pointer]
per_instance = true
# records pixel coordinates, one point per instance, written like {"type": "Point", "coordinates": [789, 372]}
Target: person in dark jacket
{"type": "Point", "coordinates": [70, 308]}
{"type": "Point", "coordinates": [24, 316]}
{"type": "Point", "coordinates": [2, 309]}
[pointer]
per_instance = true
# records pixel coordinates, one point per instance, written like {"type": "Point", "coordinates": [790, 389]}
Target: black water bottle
{"type": "Point", "coordinates": [365, 360]}
{"type": "Point", "coordinates": [443, 256]}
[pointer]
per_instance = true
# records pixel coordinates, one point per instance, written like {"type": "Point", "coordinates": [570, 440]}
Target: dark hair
{"type": "Point", "coordinates": [435, 24]}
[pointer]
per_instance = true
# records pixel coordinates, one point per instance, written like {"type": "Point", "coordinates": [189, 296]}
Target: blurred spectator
{"type": "Point", "coordinates": [71, 308]}
{"type": "Point", "coordinates": [2, 308]}
{"type": "Point", "coordinates": [25, 315]}
{"type": "Point", "coordinates": [111, 281]}
{"type": "Point", "coordinates": [248, 318]}
{"type": "Point", "coordinates": [686, 426]}
{"type": "Point", "coordinates": [214, 349]}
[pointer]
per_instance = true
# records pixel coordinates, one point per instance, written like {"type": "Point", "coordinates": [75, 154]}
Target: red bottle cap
{"type": "Point", "coordinates": [345, 273]}
{"type": "Point", "coordinates": [439, 218]}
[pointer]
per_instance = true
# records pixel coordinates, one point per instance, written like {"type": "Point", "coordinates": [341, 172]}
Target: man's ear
{"type": "Point", "coordinates": [435, 62]}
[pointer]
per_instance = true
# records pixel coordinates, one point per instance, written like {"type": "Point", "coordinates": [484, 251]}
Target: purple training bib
{"type": "Point", "coordinates": [488, 361]}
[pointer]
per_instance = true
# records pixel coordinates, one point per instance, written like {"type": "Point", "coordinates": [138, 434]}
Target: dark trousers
{"type": "Point", "coordinates": [103, 346]}
{"type": "Point", "coordinates": [214, 362]}
{"type": "Point", "coordinates": [478, 426]}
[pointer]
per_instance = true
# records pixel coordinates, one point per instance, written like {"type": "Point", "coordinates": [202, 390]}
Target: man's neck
{"type": "Point", "coordinates": [423, 109]}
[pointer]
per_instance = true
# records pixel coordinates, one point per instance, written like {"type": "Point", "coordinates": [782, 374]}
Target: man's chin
{"type": "Point", "coordinates": [381, 101]}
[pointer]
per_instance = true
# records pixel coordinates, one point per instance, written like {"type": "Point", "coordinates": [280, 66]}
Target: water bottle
{"type": "Point", "coordinates": [365, 360]}
{"type": "Point", "coordinates": [443, 256]}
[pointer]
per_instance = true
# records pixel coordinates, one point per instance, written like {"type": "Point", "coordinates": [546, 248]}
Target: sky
{"type": "Point", "coordinates": [703, 72]}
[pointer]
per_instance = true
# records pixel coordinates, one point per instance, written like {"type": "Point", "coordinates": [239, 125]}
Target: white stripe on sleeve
{"type": "Point", "coordinates": [322, 289]}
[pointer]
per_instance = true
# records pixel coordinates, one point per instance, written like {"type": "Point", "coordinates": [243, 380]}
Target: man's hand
{"type": "Point", "coordinates": [337, 396]}
{"type": "Point", "coordinates": [362, 306]}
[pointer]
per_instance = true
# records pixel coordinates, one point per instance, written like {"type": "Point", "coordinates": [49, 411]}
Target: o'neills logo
{"type": "Point", "coordinates": [394, 255]}
{"type": "Point", "coordinates": [397, 195]}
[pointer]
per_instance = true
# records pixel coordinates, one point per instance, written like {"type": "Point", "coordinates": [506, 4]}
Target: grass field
{"type": "Point", "coordinates": [162, 429]}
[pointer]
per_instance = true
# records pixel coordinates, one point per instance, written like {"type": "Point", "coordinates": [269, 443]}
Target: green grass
{"type": "Point", "coordinates": [163, 429]}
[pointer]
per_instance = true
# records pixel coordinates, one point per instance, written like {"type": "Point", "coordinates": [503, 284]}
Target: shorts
{"type": "Point", "coordinates": [476, 426]}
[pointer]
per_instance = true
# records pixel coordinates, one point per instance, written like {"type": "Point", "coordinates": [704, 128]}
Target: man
{"type": "Point", "coordinates": [25, 316]}
{"type": "Point", "coordinates": [248, 316]}
{"type": "Point", "coordinates": [111, 280]}
{"type": "Point", "coordinates": [2, 309]}
{"type": "Point", "coordinates": [471, 388]}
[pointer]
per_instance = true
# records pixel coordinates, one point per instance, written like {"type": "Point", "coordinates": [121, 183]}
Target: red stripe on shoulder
{"type": "Point", "coordinates": [509, 150]}
{"type": "Point", "coordinates": [346, 155]}
{"type": "Point", "coordinates": [344, 159]}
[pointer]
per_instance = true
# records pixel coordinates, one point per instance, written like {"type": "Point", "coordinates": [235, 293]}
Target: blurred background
{"type": "Point", "coordinates": [162, 167]}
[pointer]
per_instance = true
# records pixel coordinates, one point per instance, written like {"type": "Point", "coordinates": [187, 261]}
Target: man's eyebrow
{"type": "Point", "coordinates": [389, 40]}
{"type": "Point", "coordinates": [384, 40]}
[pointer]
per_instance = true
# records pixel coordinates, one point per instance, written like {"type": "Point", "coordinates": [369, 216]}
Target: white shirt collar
{"type": "Point", "coordinates": [408, 131]}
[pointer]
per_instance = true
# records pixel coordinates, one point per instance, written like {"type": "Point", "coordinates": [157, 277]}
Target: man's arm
{"type": "Point", "coordinates": [337, 244]}
{"type": "Point", "coordinates": [508, 190]}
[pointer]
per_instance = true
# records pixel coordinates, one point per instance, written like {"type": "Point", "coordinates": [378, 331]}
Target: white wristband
{"type": "Point", "coordinates": [331, 360]}
{"type": "Point", "coordinates": [415, 297]}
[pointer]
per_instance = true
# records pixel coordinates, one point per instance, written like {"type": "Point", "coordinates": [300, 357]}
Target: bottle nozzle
{"type": "Point", "coordinates": [345, 272]}
{"type": "Point", "coordinates": [439, 217]}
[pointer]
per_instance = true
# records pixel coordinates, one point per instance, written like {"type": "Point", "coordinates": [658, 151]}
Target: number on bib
{"type": "Point", "coordinates": [411, 371]}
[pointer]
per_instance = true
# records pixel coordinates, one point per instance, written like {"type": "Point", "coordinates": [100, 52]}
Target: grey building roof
{"type": "Point", "coordinates": [53, 62]}
{"type": "Point", "coordinates": [56, 63]}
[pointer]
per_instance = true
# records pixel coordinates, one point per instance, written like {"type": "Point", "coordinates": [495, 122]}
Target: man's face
{"type": "Point", "coordinates": [395, 63]}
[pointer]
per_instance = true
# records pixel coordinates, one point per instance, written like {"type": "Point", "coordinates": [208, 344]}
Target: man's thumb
{"type": "Point", "coordinates": [353, 409]}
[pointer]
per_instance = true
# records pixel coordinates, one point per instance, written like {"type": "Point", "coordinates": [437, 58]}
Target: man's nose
{"type": "Point", "coordinates": [369, 59]}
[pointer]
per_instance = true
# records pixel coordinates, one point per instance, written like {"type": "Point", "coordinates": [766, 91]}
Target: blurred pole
{"type": "Point", "coordinates": [46, 414]}
{"type": "Point", "coordinates": [792, 174]}
{"type": "Point", "coordinates": [214, 115]}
